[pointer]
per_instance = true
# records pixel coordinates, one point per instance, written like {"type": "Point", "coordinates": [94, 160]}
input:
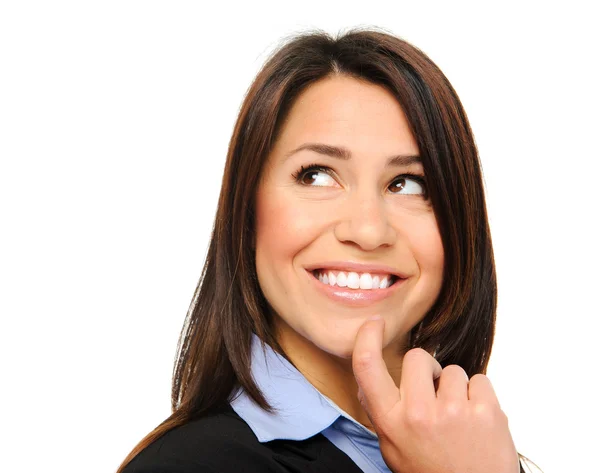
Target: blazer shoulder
{"type": "Point", "coordinates": [224, 443]}
{"type": "Point", "coordinates": [221, 442]}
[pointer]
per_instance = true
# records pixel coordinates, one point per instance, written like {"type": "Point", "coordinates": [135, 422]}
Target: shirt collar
{"type": "Point", "coordinates": [301, 410]}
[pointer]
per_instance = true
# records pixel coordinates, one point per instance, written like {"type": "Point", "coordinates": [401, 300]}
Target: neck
{"type": "Point", "coordinates": [333, 376]}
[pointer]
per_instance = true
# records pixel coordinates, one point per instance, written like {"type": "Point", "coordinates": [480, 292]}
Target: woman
{"type": "Point", "coordinates": [352, 189]}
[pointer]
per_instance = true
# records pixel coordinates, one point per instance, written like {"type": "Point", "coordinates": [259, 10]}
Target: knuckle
{"type": "Point", "coordinates": [415, 354]}
{"type": "Point", "coordinates": [454, 369]}
{"type": "Point", "coordinates": [362, 362]}
{"type": "Point", "coordinates": [489, 415]}
{"type": "Point", "coordinates": [453, 410]}
{"type": "Point", "coordinates": [417, 417]}
{"type": "Point", "coordinates": [480, 376]}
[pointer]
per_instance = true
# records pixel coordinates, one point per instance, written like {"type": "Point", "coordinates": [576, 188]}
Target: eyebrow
{"type": "Point", "coordinates": [340, 152]}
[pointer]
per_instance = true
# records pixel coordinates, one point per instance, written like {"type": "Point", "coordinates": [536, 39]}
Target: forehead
{"type": "Point", "coordinates": [345, 111]}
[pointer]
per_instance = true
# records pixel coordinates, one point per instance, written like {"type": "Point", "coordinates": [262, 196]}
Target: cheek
{"type": "Point", "coordinates": [282, 227]}
{"type": "Point", "coordinates": [428, 251]}
{"type": "Point", "coordinates": [431, 248]}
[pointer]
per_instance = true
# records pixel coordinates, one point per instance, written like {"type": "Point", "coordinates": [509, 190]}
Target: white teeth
{"type": "Point", "coordinates": [353, 280]}
{"type": "Point", "coordinates": [366, 281]}
{"type": "Point", "coordinates": [375, 281]}
{"type": "Point", "coordinates": [384, 283]}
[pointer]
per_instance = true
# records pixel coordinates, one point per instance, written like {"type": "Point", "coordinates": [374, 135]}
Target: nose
{"type": "Point", "coordinates": [365, 222]}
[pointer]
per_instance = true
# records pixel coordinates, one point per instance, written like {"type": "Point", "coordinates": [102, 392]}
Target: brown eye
{"type": "Point", "coordinates": [315, 174]}
{"type": "Point", "coordinates": [412, 183]}
{"type": "Point", "coordinates": [310, 176]}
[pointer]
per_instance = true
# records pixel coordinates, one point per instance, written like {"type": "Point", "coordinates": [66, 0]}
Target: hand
{"type": "Point", "coordinates": [458, 429]}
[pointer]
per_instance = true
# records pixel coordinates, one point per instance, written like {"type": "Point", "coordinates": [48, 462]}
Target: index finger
{"type": "Point", "coordinates": [419, 371]}
{"type": "Point", "coordinates": [380, 393]}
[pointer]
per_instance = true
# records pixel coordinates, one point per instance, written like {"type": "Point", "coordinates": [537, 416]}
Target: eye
{"type": "Point", "coordinates": [312, 170]}
{"type": "Point", "coordinates": [309, 176]}
{"type": "Point", "coordinates": [404, 182]}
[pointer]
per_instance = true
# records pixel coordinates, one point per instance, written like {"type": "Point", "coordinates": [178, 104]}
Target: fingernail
{"type": "Point", "coordinates": [375, 317]}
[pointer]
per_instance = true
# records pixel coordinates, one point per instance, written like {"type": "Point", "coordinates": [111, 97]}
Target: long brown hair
{"type": "Point", "coordinates": [213, 353]}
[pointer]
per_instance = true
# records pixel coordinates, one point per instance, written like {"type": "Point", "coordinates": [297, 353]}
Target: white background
{"type": "Point", "coordinates": [115, 118]}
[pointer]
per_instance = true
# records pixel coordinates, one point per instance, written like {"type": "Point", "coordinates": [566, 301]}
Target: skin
{"type": "Point", "coordinates": [356, 213]}
{"type": "Point", "coordinates": [427, 419]}
{"type": "Point", "coordinates": [437, 420]}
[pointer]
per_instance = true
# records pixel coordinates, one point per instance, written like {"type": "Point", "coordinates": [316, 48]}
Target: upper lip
{"type": "Point", "coordinates": [357, 267]}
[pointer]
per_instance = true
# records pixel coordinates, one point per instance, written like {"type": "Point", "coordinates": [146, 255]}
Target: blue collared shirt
{"type": "Point", "coordinates": [302, 411]}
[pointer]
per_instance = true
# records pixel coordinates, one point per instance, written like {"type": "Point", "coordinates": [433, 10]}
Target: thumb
{"type": "Point", "coordinates": [377, 391]}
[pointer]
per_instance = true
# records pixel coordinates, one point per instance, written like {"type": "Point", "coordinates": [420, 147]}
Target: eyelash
{"type": "Point", "coordinates": [298, 175]}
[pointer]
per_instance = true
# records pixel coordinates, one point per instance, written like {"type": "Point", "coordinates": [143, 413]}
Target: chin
{"type": "Point", "coordinates": [332, 338]}
{"type": "Point", "coordinates": [339, 345]}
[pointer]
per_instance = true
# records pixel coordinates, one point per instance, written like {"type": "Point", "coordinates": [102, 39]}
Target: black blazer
{"type": "Point", "coordinates": [224, 443]}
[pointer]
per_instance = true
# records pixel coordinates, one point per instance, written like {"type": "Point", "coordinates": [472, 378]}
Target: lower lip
{"type": "Point", "coordinates": [355, 297]}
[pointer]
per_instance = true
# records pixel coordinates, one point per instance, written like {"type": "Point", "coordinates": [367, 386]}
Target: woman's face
{"type": "Point", "coordinates": [354, 210]}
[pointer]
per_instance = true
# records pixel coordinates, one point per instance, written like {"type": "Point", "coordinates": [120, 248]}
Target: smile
{"type": "Point", "coordinates": [355, 297]}
{"type": "Point", "coordinates": [354, 280]}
